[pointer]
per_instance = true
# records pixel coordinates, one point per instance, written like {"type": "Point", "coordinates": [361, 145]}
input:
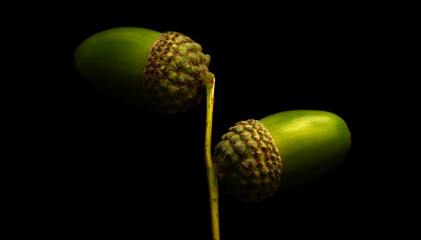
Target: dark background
{"type": "Point", "coordinates": [109, 169]}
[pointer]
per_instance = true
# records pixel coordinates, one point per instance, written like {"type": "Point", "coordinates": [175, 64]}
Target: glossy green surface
{"type": "Point", "coordinates": [310, 143]}
{"type": "Point", "coordinates": [113, 61]}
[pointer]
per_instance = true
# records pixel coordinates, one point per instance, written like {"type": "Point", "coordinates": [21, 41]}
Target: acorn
{"type": "Point", "coordinates": [165, 72]}
{"type": "Point", "coordinates": [256, 158]}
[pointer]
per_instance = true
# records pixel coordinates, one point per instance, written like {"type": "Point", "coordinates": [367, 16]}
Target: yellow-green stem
{"type": "Point", "coordinates": [210, 170]}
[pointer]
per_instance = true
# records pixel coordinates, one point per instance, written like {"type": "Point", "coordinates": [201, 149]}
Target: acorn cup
{"type": "Point", "coordinates": [256, 158]}
{"type": "Point", "coordinates": [165, 73]}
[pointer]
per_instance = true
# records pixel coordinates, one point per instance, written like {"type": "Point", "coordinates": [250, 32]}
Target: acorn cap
{"type": "Point", "coordinates": [174, 75]}
{"type": "Point", "coordinates": [248, 162]}
{"type": "Point", "coordinates": [163, 72]}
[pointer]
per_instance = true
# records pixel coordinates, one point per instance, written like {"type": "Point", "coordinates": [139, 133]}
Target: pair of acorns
{"type": "Point", "coordinates": [167, 73]}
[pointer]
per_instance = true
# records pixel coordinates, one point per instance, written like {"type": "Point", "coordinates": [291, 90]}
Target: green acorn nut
{"type": "Point", "coordinates": [284, 150]}
{"type": "Point", "coordinates": [165, 72]}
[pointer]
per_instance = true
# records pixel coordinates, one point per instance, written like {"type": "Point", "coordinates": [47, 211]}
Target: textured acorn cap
{"type": "Point", "coordinates": [175, 74]}
{"type": "Point", "coordinates": [247, 162]}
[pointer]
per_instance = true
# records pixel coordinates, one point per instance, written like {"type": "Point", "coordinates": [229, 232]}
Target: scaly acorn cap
{"type": "Point", "coordinates": [248, 162]}
{"type": "Point", "coordinates": [284, 150]}
{"type": "Point", "coordinates": [165, 72]}
{"type": "Point", "coordinates": [174, 75]}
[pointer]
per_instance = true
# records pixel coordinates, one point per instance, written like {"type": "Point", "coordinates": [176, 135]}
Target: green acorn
{"type": "Point", "coordinates": [257, 158]}
{"type": "Point", "coordinates": [163, 72]}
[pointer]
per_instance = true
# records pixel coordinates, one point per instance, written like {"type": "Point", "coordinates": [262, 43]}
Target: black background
{"type": "Point", "coordinates": [109, 169]}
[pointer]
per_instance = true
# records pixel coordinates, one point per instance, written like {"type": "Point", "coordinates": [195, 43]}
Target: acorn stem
{"type": "Point", "coordinates": [210, 170]}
